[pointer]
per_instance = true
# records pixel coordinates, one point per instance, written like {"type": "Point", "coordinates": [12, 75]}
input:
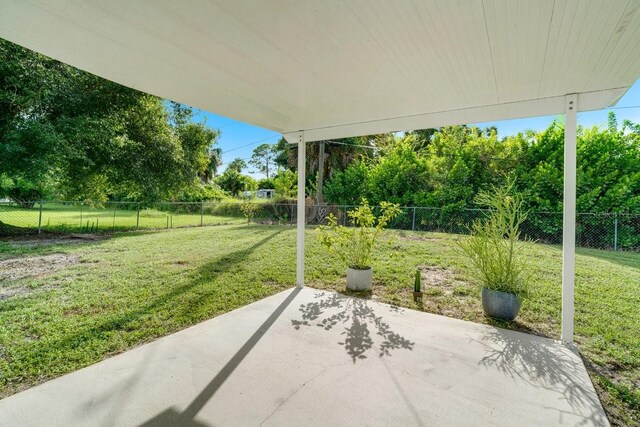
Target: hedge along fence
{"type": "Point", "coordinates": [614, 231]}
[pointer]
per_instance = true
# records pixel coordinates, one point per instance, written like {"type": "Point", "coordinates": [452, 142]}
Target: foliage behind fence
{"type": "Point", "coordinates": [613, 231]}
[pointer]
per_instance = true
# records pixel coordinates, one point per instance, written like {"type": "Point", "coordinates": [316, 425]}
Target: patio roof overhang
{"type": "Point", "coordinates": [343, 68]}
{"type": "Point", "coordinates": [316, 70]}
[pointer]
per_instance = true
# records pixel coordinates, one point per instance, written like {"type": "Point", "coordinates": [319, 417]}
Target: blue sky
{"type": "Point", "coordinates": [238, 139]}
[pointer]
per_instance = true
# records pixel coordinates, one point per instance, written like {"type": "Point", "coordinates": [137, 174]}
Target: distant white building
{"type": "Point", "coordinates": [265, 193]}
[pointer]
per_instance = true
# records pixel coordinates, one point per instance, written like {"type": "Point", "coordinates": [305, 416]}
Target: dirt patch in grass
{"type": "Point", "coordinates": [434, 277]}
{"type": "Point", "coordinates": [10, 292]}
{"type": "Point", "coordinates": [21, 268]}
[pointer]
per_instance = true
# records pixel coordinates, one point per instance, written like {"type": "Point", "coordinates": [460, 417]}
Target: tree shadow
{"type": "Point", "coordinates": [45, 244]}
{"type": "Point", "coordinates": [226, 262]}
{"type": "Point", "coordinates": [254, 226]}
{"type": "Point", "coordinates": [544, 364]}
{"type": "Point", "coordinates": [50, 242]}
{"type": "Point", "coordinates": [9, 230]}
{"type": "Point", "coordinates": [359, 320]}
{"type": "Point", "coordinates": [626, 259]}
{"type": "Point", "coordinates": [623, 258]}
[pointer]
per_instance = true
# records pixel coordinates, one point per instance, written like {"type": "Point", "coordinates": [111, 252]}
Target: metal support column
{"type": "Point", "coordinates": [413, 221]}
{"type": "Point", "coordinates": [40, 218]}
{"type": "Point", "coordinates": [615, 232]}
{"type": "Point", "coordinates": [319, 195]}
{"type": "Point", "coordinates": [569, 218]}
{"type": "Point", "coordinates": [302, 157]}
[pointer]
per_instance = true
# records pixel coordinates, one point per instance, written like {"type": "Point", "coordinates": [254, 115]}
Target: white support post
{"type": "Point", "coordinates": [302, 157]}
{"type": "Point", "coordinates": [569, 219]}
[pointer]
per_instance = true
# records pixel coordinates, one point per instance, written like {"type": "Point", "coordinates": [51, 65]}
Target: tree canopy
{"type": "Point", "coordinates": [234, 182]}
{"type": "Point", "coordinates": [65, 133]}
{"type": "Point", "coordinates": [263, 159]}
{"type": "Point", "coordinates": [237, 165]}
{"type": "Point", "coordinates": [456, 163]}
{"type": "Point", "coordinates": [69, 134]}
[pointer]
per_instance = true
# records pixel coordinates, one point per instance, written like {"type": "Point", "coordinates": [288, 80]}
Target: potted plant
{"type": "Point", "coordinates": [354, 245]}
{"type": "Point", "coordinates": [495, 250]}
{"type": "Point", "coordinates": [417, 291]}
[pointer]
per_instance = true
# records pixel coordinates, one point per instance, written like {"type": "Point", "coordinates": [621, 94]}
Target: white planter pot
{"type": "Point", "coordinates": [359, 280]}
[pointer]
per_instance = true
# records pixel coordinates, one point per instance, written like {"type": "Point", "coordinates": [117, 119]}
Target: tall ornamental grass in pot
{"type": "Point", "coordinates": [495, 249]}
{"type": "Point", "coordinates": [354, 245]}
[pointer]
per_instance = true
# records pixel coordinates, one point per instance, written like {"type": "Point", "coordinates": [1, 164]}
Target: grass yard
{"type": "Point", "coordinates": [67, 303]}
{"type": "Point", "coordinates": [74, 217]}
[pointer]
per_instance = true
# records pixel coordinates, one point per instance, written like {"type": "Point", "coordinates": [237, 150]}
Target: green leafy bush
{"type": "Point", "coordinates": [203, 193]}
{"type": "Point", "coordinates": [345, 187]}
{"type": "Point", "coordinates": [285, 184]}
{"type": "Point", "coordinates": [234, 182]}
{"type": "Point", "coordinates": [266, 183]}
{"type": "Point", "coordinates": [494, 246]}
{"type": "Point", "coordinates": [249, 210]}
{"type": "Point", "coordinates": [354, 245]}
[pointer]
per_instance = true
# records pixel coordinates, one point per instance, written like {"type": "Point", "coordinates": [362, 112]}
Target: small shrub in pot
{"type": "Point", "coordinates": [495, 250]}
{"type": "Point", "coordinates": [354, 245]}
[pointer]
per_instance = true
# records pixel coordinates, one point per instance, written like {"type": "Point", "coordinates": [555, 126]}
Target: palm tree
{"type": "Point", "coordinates": [237, 165]}
{"type": "Point", "coordinates": [338, 154]}
{"type": "Point", "coordinates": [215, 161]}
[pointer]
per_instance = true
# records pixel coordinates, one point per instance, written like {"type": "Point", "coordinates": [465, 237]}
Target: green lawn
{"type": "Point", "coordinates": [113, 293]}
{"type": "Point", "coordinates": [74, 217]}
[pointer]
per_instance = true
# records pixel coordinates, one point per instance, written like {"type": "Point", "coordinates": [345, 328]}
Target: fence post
{"type": "Point", "coordinates": [138, 217]}
{"type": "Point", "coordinates": [113, 224]}
{"type": "Point", "coordinates": [413, 223]}
{"type": "Point", "coordinates": [201, 213]}
{"type": "Point", "coordinates": [40, 219]}
{"type": "Point", "coordinates": [81, 217]}
{"type": "Point", "coordinates": [615, 232]}
{"type": "Point", "coordinates": [345, 215]}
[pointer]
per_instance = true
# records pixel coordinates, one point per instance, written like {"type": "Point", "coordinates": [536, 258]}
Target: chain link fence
{"type": "Point", "coordinates": [612, 231]}
{"type": "Point", "coordinates": [113, 216]}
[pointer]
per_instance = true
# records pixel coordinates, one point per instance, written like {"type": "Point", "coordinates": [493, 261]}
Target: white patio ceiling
{"type": "Point", "coordinates": [341, 68]}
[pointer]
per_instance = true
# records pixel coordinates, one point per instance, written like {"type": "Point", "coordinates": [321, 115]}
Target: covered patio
{"type": "Point", "coordinates": [306, 357]}
{"type": "Point", "coordinates": [315, 71]}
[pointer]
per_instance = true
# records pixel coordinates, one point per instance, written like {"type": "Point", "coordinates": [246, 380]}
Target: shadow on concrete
{"type": "Point", "coordinates": [356, 316]}
{"type": "Point", "coordinates": [543, 364]}
{"type": "Point", "coordinates": [172, 417]}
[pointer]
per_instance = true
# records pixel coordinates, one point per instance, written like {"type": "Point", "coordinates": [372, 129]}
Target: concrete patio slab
{"type": "Point", "coordinates": [306, 357]}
